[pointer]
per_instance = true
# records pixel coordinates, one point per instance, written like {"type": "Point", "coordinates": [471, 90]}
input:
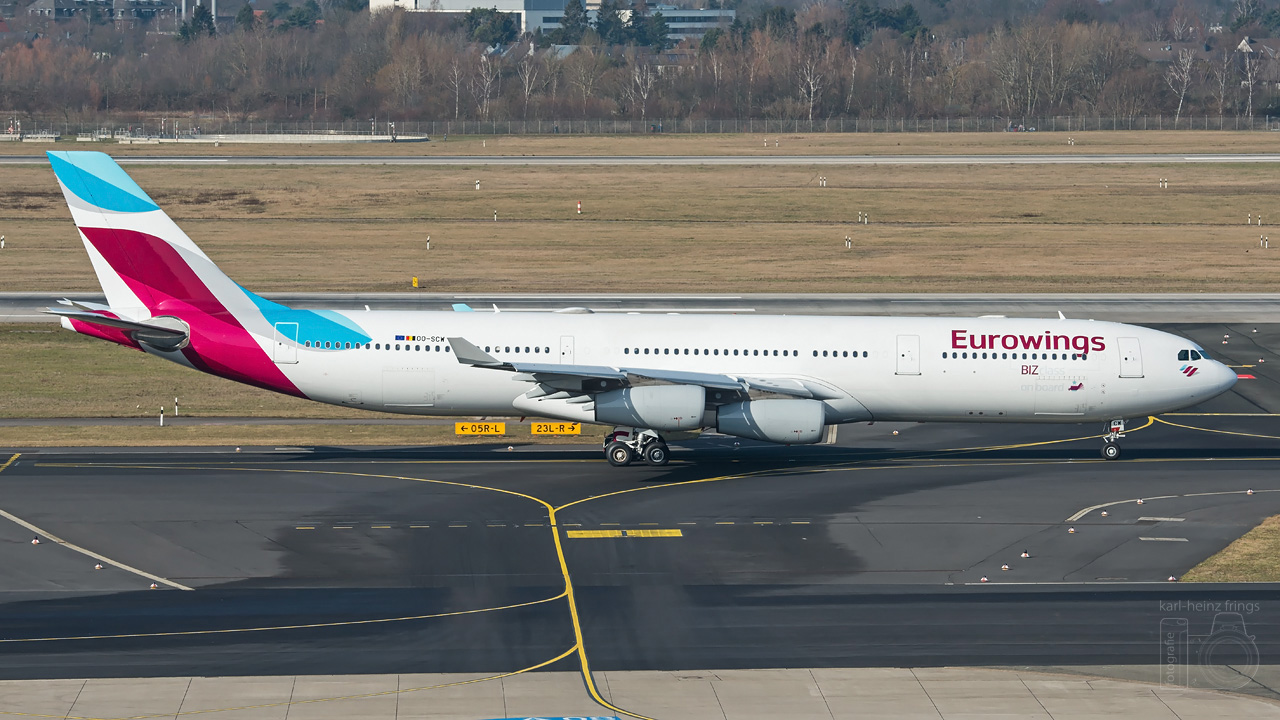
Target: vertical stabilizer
{"type": "Point", "coordinates": [144, 262]}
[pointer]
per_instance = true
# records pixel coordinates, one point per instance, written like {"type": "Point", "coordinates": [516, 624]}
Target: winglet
{"type": "Point", "coordinates": [469, 354]}
{"type": "Point", "coordinates": [1061, 316]}
{"type": "Point", "coordinates": [462, 307]}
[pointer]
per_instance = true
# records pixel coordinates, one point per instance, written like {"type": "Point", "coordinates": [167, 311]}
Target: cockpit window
{"type": "Point", "coordinates": [1183, 355]}
{"type": "Point", "coordinates": [1195, 355]}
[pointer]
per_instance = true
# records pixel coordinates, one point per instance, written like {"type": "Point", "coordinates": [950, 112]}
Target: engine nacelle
{"type": "Point", "coordinates": [658, 407]}
{"type": "Point", "coordinates": [794, 422]}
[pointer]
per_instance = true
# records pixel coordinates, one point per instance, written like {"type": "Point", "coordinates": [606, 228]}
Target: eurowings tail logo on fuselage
{"type": "Point", "coordinates": [1188, 370]}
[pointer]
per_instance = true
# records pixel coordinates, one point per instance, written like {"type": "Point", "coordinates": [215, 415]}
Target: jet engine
{"type": "Point", "coordinates": [794, 422]}
{"type": "Point", "coordinates": [658, 407]}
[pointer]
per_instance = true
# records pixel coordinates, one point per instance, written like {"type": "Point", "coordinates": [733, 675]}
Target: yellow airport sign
{"type": "Point", "coordinates": [480, 428]}
{"type": "Point", "coordinates": [556, 428]}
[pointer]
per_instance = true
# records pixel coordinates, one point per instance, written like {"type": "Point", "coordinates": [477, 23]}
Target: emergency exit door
{"type": "Point", "coordinates": [1130, 357]}
{"type": "Point", "coordinates": [286, 346]}
{"type": "Point", "coordinates": [908, 355]}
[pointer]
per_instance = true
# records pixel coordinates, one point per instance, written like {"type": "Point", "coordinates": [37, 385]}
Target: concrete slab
{"type": "Point", "coordinates": [543, 694]}
{"type": "Point", "coordinates": [42, 697]}
{"type": "Point", "coordinates": [453, 696]}
{"type": "Point", "coordinates": [240, 698]}
{"type": "Point", "coordinates": [126, 697]}
{"type": "Point", "coordinates": [831, 694]}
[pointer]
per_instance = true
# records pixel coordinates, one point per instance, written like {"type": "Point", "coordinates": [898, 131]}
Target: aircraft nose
{"type": "Point", "coordinates": [1224, 378]}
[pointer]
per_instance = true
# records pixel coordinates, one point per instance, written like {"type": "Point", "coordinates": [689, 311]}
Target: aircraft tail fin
{"type": "Point", "coordinates": [143, 260]}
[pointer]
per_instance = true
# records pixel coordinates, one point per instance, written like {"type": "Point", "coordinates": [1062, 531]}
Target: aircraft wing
{"type": "Point", "coordinates": [591, 379]}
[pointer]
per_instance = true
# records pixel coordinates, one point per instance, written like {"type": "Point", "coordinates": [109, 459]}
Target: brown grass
{"type": "Point", "coordinates": [701, 229]}
{"type": "Point", "coordinates": [1252, 558]}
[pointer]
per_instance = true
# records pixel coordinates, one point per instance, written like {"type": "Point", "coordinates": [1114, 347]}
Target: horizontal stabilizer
{"type": "Point", "coordinates": [171, 335]}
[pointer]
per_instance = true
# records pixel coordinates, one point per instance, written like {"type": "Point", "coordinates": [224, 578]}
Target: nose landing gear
{"type": "Point", "coordinates": [1110, 442]}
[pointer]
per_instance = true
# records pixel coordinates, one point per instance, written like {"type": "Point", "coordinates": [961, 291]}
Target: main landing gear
{"type": "Point", "coordinates": [624, 445]}
{"type": "Point", "coordinates": [1110, 444]}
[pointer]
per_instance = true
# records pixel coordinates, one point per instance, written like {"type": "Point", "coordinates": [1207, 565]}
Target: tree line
{"type": "Point", "coordinates": [333, 60]}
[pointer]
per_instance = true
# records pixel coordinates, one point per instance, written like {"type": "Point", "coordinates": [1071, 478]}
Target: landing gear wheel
{"type": "Point", "coordinates": [618, 454]}
{"type": "Point", "coordinates": [1110, 450]}
{"type": "Point", "coordinates": [656, 454]}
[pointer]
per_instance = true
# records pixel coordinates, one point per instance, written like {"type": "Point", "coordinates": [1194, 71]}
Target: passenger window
{"type": "Point", "coordinates": [1184, 355]}
{"type": "Point", "coordinates": [1195, 355]}
{"type": "Point", "coordinates": [646, 351]}
{"type": "Point", "coordinates": [755, 353]}
{"type": "Point", "coordinates": [735, 352]}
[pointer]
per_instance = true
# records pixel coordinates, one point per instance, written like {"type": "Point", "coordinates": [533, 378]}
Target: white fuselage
{"type": "Point", "coordinates": [873, 368]}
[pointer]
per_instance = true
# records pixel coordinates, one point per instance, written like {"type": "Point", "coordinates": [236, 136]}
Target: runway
{"type": "Point", "coordinates": [611, 160]}
{"type": "Point", "coordinates": [1130, 308]}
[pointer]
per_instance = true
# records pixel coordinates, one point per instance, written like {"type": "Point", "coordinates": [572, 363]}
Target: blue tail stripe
{"type": "Point", "coordinates": [96, 179]}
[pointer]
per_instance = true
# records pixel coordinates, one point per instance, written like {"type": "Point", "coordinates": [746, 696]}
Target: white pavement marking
{"type": "Point", "coordinates": [1091, 508]}
{"type": "Point", "coordinates": [72, 546]}
{"type": "Point", "coordinates": [1160, 519]}
{"type": "Point", "coordinates": [1162, 539]}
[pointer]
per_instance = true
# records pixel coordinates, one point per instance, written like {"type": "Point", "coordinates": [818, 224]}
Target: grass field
{"type": "Point", "coordinates": [55, 373]}
{"type": "Point", "coordinates": [1067, 228]}
{"type": "Point", "coordinates": [1252, 558]}
{"type": "Point", "coordinates": [926, 143]}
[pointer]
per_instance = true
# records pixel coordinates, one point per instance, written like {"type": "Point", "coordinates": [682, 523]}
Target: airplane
{"type": "Point", "coordinates": [779, 379]}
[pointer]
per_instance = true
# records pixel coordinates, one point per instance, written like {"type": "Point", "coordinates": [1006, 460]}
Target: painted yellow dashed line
{"type": "Point", "coordinates": [657, 533]}
{"type": "Point", "coordinates": [594, 533]}
{"type": "Point", "coordinates": [647, 533]}
{"type": "Point", "coordinates": [381, 527]}
{"type": "Point", "coordinates": [457, 526]}
{"type": "Point", "coordinates": [416, 527]}
{"type": "Point", "coordinates": [343, 527]}
{"type": "Point", "coordinates": [305, 527]}
{"type": "Point", "coordinates": [724, 523]}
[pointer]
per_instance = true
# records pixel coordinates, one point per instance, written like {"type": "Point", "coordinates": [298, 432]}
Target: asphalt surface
{"type": "Point", "coordinates": [1133, 308]}
{"type": "Point", "coordinates": [870, 552]}
{"type": "Point", "coordinates": [764, 158]}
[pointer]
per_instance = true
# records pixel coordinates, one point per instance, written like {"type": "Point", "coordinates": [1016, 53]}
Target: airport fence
{"type": "Point", "coordinates": [169, 127]}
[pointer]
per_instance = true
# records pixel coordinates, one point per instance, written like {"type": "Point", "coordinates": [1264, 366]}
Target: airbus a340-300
{"type": "Point", "coordinates": [771, 378]}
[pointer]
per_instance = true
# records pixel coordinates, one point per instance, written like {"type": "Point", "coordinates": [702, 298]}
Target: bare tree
{"type": "Point", "coordinates": [811, 71]}
{"type": "Point", "coordinates": [1223, 71]}
{"type": "Point", "coordinates": [527, 70]}
{"type": "Point", "coordinates": [483, 84]}
{"type": "Point", "coordinates": [585, 67]}
{"type": "Point", "coordinates": [642, 79]}
{"type": "Point", "coordinates": [852, 65]}
{"type": "Point", "coordinates": [1252, 64]}
{"type": "Point", "coordinates": [456, 79]}
{"type": "Point", "coordinates": [1178, 77]}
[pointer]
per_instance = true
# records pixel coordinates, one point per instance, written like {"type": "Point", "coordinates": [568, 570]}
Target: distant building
{"type": "Point", "coordinates": [545, 15]}
{"type": "Point", "coordinates": [681, 23]}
